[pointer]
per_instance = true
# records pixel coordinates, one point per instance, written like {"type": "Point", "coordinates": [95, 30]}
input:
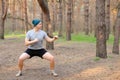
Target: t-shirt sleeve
{"type": "Point", "coordinates": [45, 35]}
{"type": "Point", "coordinates": [28, 35]}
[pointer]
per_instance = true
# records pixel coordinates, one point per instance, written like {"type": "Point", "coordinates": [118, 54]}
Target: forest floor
{"type": "Point", "coordinates": [74, 61]}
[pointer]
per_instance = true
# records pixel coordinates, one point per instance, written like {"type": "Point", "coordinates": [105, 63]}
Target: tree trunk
{"type": "Point", "coordinates": [73, 20]}
{"type": "Point", "coordinates": [53, 14]}
{"type": "Point", "coordinates": [117, 32]}
{"type": "Point", "coordinates": [64, 14]}
{"type": "Point", "coordinates": [2, 22]}
{"type": "Point", "coordinates": [44, 6]}
{"type": "Point", "coordinates": [34, 8]}
{"type": "Point", "coordinates": [13, 14]}
{"type": "Point", "coordinates": [101, 29]}
{"type": "Point", "coordinates": [3, 17]}
{"type": "Point", "coordinates": [60, 18]}
{"type": "Point", "coordinates": [26, 16]}
{"type": "Point", "coordinates": [69, 15]}
{"type": "Point", "coordinates": [86, 15]}
{"type": "Point", "coordinates": [107, 19]}
{"type": "Point", "coordinates": [55, 17]}
{"type": "Point", "coordinates": [22, 15]}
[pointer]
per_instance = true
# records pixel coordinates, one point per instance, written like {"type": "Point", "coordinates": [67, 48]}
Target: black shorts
{"type": "Point", "coordinates": [39, 52]}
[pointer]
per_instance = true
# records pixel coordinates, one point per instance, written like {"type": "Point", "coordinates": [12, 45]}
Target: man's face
{"type": "Point", "coordinates": [39, 25]}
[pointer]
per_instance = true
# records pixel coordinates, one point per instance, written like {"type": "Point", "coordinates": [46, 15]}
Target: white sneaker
{"type": "Point", "coordinates": [54, 74]}
{"type": "Point", "coordinates": [19, 74]}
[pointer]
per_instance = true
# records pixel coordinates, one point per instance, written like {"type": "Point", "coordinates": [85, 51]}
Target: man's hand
{"type": "Point", "coordinates": [35, 40]}
{"type": "Point", "coordinates": [27, 42]}
{"type": "Point", "coordinates": [55, 37]}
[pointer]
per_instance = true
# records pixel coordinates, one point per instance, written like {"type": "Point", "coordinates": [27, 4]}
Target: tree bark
{"type": "Point", "coordinates": [117, 32]}
{"type": "Point", "coordinates": [86, 15]}
{"type": "Point", "coordinates": [3, 17]}
{"type": "Point", "coordinates": [60, 18]}
{"type": "Point", "coordinates": [101, 29]}
{"type": "Point", "coordinates": [13, 14]}
{"type": "Point", "coordinates": [34, 8]}
{"type": "Point", "coordinates": [107, 19]}
{"type": "Point", "coordinates": [53, 14]}
{"type": "Point", "coordinates": [26, 16]}
{"type": "Point", "coordinates": [73, 18]}
{"type": "Point", "coordinates": [69, 15]}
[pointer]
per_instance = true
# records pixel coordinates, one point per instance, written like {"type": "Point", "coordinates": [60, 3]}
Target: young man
{"type": "Point", "coordinates": [34, 41]}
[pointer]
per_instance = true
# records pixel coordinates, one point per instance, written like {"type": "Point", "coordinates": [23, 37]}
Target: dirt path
{"type": "Point", "coordinates": [74, 61]}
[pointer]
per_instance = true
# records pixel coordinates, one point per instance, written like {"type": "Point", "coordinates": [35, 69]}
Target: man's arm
{"type": "Point", "coordinates": [48, 39]}
{"type": "Point", "coordinates": [27, 42]}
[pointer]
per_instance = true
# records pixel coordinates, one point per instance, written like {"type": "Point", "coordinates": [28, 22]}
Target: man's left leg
{"type": "Point", "coordinates": [50, 58]}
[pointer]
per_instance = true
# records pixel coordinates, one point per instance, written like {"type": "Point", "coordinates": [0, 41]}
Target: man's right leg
{"type": "Point", "coordinates": [21, 60]}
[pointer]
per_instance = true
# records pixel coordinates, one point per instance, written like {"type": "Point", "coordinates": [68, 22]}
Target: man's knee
{"type": "Point", "coordinates": [21, 59]}
{"type": "Point", "coordinates": [52, 58]}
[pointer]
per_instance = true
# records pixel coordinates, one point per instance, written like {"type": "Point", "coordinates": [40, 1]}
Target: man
{"type": "Point", "coordinates": [34, 41]}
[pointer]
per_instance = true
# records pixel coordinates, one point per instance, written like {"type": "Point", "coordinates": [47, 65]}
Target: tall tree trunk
{"type": "Point", "coordinates": [53, 14]}
{"type": "Point", "coordinates": [101, 29]}
{"type": "Point", "coordinates": [107, 19]}
{"type": "Point", "coordinates": [114, 14]}
{"type": "Point", "coordinates": [26, 16]}
{"type": "Point", "coordinates": [69, 15]}
{"type": "Point", "coordinates": [90, 21]}
{"type": "Point", "coordinates": [86, 15]}
{"type": "Point", "coordinates": [22, 14]}
{"type": "Point", "coordinates": [55, 17]}
{"type": "Point", "coordinates": [44, 6]}
{"type": "Point", "coordinates": [13, 14]}
{"type": "Point", "coordinates": [64, 13]}
{"type": "Point", "coordinates": [60, 18]}
{"type": "Point", "coordinates": [4, 5]}
{"type": "Point", "coordinates": [117, 32]}
{"type": "Point", "coordinates": [73, 20]}
{"type": "Point", "coordinates": [34, 8]}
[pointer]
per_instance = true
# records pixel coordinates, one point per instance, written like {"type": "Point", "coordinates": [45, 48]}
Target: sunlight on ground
{"type": "Point", "coordinates": [113, 76]}
{"type": "Point", "coordinates": [92, 71]}
{"type": "Point", "coordinates": [88, 73]}
{"type": "Point", "coordinates": [7, 69]}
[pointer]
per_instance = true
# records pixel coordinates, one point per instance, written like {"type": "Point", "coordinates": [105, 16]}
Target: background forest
{"type": "Point", "coordinates": [17, 9]}
{"type": "Point", "coordinates": [16, 12]}
{"type": "Point", "coordinates": [63, 18]}
{"type": "Point", "coordinates": [88, 31]}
